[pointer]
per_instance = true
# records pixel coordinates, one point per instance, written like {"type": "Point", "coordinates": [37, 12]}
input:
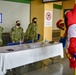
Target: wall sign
{"type": "Point", "coordinates": [48, 18]}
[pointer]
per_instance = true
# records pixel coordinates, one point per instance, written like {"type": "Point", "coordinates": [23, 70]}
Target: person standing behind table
{"type": "Point", "coordinates": [17, 33]}
{"type": "Point", "coordinates": [1, 31]}
{"type": "Point", "coordinates": [31, 32]}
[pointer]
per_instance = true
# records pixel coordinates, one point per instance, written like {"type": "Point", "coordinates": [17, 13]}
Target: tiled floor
{"type": "Point", "coordinates": [60, 68]}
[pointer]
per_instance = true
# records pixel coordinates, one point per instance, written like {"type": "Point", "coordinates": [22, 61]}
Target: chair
{"type": "Point", "coordinates": [29, 41]}
{"type": "Point", "coordinates": [63, 41]}
{"type": "Point", "coordinates": [6, 38]}
{"type": "Point", "coordinates": [38, 37]}
{"type": "Point", "coordinates": [10, 44]}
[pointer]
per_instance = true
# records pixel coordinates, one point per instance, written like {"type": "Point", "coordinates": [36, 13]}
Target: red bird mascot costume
{"type": "Point", "coordinates": [71, 33]}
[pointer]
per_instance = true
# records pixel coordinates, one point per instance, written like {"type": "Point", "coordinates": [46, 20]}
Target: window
{"type": "Point", "coordinates": [0, 17]}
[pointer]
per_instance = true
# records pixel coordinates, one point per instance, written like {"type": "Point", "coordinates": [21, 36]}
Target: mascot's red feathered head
{"type": "Point", "coordinates": [59, 24]}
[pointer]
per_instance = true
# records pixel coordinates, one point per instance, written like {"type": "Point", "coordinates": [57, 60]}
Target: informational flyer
{"type": "Point", "coordinates": [48, 18]}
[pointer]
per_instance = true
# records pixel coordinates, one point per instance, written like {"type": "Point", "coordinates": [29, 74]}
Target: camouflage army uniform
{"type": "Point", "coordinates": [31, 32]}
{"type": "Point", "coordinates": [17, 34]}
{"type": "Point", "coordinates": [1, 31]}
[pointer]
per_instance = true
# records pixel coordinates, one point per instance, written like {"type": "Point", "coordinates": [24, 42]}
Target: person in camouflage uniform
{"type": "Point", "coordinates": [31, 32]}
{"type": "Point", "coordinates": [1, 31]}
{"type": "Point", "coordinates": [17, 33]}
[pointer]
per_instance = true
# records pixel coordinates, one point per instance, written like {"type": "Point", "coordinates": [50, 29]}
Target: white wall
{"type": "Point", "coordinates": [12, 11]}
{"type": "Point", "coordinates": [56, 17]}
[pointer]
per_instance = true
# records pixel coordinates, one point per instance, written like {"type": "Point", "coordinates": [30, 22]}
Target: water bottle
{"type": "Point", "coordinates": [20, 43]}
{"type": "Point", "coordinates": [33, 40]}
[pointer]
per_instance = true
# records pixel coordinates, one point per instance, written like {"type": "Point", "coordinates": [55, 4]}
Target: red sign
{"type": "Point", "coordinates": [48, 16]}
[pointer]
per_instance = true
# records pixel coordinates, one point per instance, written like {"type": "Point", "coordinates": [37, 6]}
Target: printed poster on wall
{"type": "Point", "coordinates": [48, 18]}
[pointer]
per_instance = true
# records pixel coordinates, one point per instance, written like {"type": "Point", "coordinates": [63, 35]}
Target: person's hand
{"type": "Point", "coordinates": [22, 41]}
{"type": "Point", "coordinates": [13, 42]}
{"type": "Point", "coordinates": [26, 38]}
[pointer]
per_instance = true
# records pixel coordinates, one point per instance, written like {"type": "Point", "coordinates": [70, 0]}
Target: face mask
{"type": "Point", "coordinates": [18, 24]}
{"type": "Point", "coordinates": [35, 21]}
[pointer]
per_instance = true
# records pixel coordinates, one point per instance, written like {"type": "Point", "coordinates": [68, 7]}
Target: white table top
{"type": "Point", "coordinates": [26, 54]}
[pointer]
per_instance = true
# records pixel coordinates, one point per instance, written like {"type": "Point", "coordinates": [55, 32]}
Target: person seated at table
{"type": "Point", "coordinates": [31, 32]}
{"type": "Point", "coordinates": [1, 31]}
{"type": "Point", "coordinates": [17, 33]}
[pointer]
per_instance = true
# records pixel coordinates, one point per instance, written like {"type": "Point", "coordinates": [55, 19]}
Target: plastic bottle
{"type": "Point", "coordinates": [33, 40]}
{"type": "Point", "coordinates": [20, 43]}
